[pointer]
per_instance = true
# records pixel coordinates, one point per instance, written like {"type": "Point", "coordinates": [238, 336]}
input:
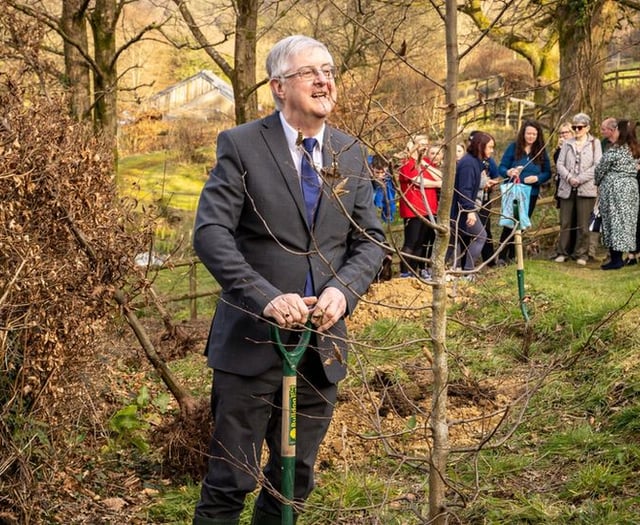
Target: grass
{"type": "Point", "coordinates": [158, 178]}
{"type": "Point", "coordinates": [573, 457]}
{"type": "Point", "coordinates": [173, 282]}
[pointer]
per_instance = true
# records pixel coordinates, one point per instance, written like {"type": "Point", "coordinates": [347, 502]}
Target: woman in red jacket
{"type": "Point", "coordinates": [419, 180]}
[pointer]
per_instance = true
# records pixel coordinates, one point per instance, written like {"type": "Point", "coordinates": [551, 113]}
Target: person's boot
{"type": "Point", "coordinates": [616, 261]}
{"type": "Point", "coordinates": [203, 520]}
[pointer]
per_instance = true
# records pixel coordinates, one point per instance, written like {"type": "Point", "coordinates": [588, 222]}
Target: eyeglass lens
{"type": "Point", "coordinates": [309, 72]}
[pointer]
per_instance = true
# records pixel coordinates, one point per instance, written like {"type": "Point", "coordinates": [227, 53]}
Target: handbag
{"type": "Point", "coordinates": [513, 193]}
{"type": "Point", "coordinates": [595, 221]}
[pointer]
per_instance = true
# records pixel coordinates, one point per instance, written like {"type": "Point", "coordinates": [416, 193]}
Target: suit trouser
{"type": "Point", "coordinates": [575, 213]}
{"type": "Point", "coordinates": [246, 413]}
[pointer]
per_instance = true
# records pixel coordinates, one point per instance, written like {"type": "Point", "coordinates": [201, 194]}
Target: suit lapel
{"type": "Point", "coordinates": [330, 154]}
{"type": "Point", "coordinates": [276, 143]}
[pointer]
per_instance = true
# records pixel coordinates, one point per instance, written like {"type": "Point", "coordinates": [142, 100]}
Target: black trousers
{"type": "Point", "coordinates": [246, 414]}
{"type": "Point", "coordinates": [418, 241]}
{"type": "Point", "coordinates": [485, 219]}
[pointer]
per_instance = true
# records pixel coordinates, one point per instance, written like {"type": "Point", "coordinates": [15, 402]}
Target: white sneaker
{"type": "Point", "coordinates": [560, 258]}
{"type": "Point", "coordinates": [581, 262]}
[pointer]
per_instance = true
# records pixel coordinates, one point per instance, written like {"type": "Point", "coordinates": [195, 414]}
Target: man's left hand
{"type": "Point", "coordinates": [331, 306]}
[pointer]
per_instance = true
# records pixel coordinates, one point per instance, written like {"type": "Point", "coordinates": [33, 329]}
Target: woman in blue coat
{"type": "Point", "coordinates": [467, 231]}
{"type": "Point", "coordinates": [525, 161]}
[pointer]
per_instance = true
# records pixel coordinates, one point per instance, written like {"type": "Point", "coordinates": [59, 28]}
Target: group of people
{"type": "Point", "coordinates": [524, 161]}
{"type": "Point", "coordinates": [288, 223]}
{"type": "Point", "coordinates": [591, 177]}
{"type": "Point", "coordinates": [598, 177]}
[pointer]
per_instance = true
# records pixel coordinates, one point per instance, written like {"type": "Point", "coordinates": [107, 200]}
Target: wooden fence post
{"type": "Point", "coordinates": [193, 288]}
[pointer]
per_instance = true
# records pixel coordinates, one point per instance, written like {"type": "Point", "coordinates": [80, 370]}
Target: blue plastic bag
{"type": "Point", "coordinates": [512, 192]}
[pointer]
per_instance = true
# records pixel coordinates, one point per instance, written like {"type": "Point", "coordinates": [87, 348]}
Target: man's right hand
{"type": "Point", "coordinates": [289, 310]}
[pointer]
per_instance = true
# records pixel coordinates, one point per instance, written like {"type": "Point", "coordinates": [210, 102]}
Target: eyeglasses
{"type": "Point", "coordinates": [565, 132]}
{"type": "Point", "coordinates": [308, 73]}
{"type": "Point", "coordinates": [578, 128]}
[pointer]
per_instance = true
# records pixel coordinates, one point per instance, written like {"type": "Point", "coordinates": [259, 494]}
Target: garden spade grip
{"type": "Point", "coordinates": [290, 360]}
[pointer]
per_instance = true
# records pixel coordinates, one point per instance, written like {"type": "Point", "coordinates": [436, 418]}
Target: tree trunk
{"type": "Point", "coordinates": [243, 72]}
{"type": "Point", "coordinates": [541, 55]}
{"type": "Point", "coordinates": [103, 25]}
{"type": "Point", "coordinates": [439, 426]}
{"type": "Point", "coordinates": [244, 77]}
{"type": "Point", "coordinates": [73, 24]}
{"type": "Point", "coordinates": [583, 51]}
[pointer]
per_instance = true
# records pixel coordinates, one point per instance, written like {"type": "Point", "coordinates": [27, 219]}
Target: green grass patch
{"type": "Point", "coordinates": [158, 178]}
{"type": "Point", "coordinates": [574, 455]}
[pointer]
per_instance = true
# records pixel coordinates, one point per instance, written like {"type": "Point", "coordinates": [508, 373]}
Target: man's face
{"type": "Point", "coordinates": [607, 130]}
{"type": "Point", "coordinates": [314, 97]}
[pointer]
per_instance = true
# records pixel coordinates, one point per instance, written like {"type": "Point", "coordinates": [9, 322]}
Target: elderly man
{"type": "Point", "coordinates": [607, 129]}
{"type": "Point", "coordinates": [287, 226]}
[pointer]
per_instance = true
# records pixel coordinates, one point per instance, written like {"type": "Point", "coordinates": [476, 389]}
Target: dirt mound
{"type": "Point", "coordinates": [389, 413]}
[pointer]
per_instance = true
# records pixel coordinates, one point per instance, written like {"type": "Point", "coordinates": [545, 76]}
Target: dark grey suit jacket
{"type": "Point", "coordinates": [252, 235]}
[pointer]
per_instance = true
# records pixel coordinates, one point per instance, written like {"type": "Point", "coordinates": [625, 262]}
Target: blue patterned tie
{"type": "Point", "coordinates": [309, 179]}
{"type": "Point", "coordinates": [311, 194]}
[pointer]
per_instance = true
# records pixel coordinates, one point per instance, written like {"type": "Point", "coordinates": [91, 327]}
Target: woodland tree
{"type": "Point", "coordinates": [73, 24]}
{"type": "Point", "coordinates": [242, 72]}
{"type": "Point", "coordinates": [565, 43]}
{"type": "Point", "coordinates": [69, 24]}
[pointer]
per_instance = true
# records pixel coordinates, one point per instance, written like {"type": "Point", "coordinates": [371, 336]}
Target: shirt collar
{"type": "Point", "coordinates": [291, 134]}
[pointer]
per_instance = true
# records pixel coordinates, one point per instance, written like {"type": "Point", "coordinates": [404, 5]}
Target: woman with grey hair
{"type": "Point", "coordinates": [577, 191]}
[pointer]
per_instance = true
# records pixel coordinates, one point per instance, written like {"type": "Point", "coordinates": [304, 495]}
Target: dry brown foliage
{"type": "Point", "coordinates": [65, 246]}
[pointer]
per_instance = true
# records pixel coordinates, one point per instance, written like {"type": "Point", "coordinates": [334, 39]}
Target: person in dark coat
{"type": "Point", "coordinates": [467, 232]}
{"type": "Point", "coordinates": [286, 225]}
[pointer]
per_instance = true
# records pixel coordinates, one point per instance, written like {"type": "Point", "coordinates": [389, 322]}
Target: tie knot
{"type": "Point", "coordinates": [309, 145]}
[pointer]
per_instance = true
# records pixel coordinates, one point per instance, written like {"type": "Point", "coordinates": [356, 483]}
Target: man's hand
{"type": "Point", "coordinates": [289, 310]}
{"type": "Point", "coordinates": [331, 306]}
